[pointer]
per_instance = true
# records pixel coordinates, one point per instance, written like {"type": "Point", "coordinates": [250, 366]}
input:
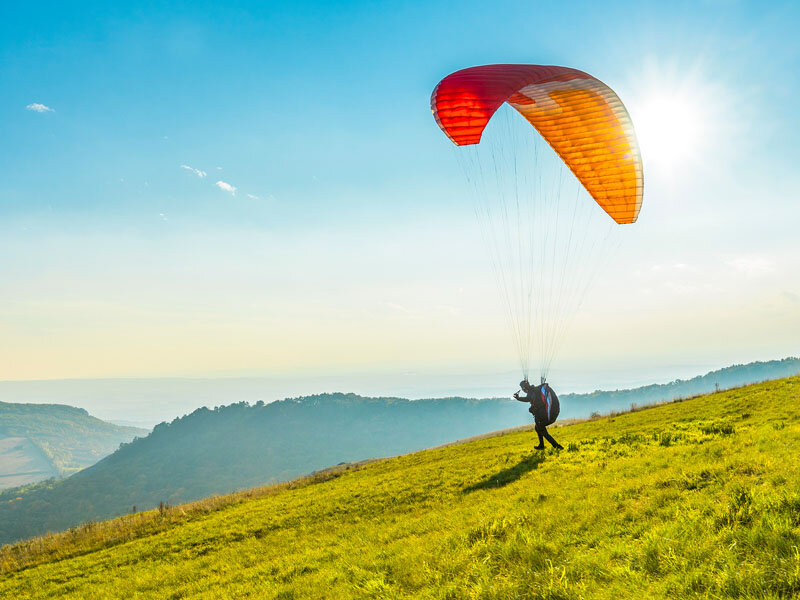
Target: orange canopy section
{"type": "Point", "coordinates": [581, 118]}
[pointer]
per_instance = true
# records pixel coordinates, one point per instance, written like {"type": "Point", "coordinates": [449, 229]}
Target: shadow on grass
{"type": "Point", "coordinates": [509, 475]}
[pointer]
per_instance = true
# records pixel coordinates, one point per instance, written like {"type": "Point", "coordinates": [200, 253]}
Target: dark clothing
{"type": "Point", "coordinates": [544, 408]}
{"type": "Point", "coordinates": [544, 434]}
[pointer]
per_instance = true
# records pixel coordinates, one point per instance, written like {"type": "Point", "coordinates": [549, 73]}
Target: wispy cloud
{"type": "Point", "coordinates": [197, 172]}
{"type": "Point", "coordinates": [40, 108]}
{"type": "Point", "coordinates": [792, 297]}
{"type": "Point", "coordinates": [226, 187]}
{"type": "Point", "coordinates": [449, 309]}
{"type": "Point", "coordinates": [675, 267]}
{"type": "Point", "coordinates": [751, 265]}
{"type": "Point", "coordinates": [253, 197]}
{"type": "Point", "coordinates": [398, 308]}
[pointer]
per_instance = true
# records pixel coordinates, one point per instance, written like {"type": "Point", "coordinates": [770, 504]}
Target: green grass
{"type": "Point", "coordinates": [694, 499]}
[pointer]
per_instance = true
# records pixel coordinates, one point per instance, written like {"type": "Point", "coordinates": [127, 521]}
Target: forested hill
{"type": "Point", "coordinates": [38, 441]}
{"type": "Point", "coordinates": [240, 446]}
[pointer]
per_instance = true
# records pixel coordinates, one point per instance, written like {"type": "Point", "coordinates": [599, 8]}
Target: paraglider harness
{"type": "Point", "coordinates": [544, 404]}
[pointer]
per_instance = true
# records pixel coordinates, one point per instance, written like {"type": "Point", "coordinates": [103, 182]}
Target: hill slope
{"type": "Point", "coordinates": [699, 498]}
{"type": "Point", "coordinates": [38, 441]}
{"type": "Point", "coordinates": [23, 462]}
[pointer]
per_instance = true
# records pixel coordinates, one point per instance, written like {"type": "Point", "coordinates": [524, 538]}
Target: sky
{"type": "Point", "coordinates": [259, 189]}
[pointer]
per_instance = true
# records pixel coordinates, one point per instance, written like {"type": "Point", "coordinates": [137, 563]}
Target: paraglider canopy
{"type": "Point", "coordinates": [581, 118]}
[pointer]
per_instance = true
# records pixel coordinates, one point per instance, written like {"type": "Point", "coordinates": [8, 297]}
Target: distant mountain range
{"type": "Point", "coordinates": [240, 446]}
{"type": "Point", "coordinates": [583, 405]}
{"type": "Point", "coordinates": [40, 441]}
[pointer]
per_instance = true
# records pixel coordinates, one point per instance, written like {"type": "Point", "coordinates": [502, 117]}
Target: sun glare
{"type": "Point", "coordinates": [676, 114]}
{"type": "Point", "coordinates": [669, 129]}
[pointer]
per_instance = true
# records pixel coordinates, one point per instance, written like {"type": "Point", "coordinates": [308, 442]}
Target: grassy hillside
{"type": "Point", "coordinates": [693, 499]}
{"type": "Point", "coordinates": [53, 440]}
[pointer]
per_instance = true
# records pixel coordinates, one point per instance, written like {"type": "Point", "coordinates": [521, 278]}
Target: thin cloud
{"type": "Point", "coordinates": [253, 197]}
{"type": "Point", "coordinates": [226, 187]}
{"type": "Point", "coordinates": [752, 265]}
{"type": "Point", "coordinates": [792, 297]}
{"type": "Point", "coordinates": [40, 108]}
{"type": "Point", "coordinates": [398, 308]}
{"type": "Point", "coordinates": [197, 172]}
{"type": "Point", "coordinates": [676, 267]}
{"type": "Point", "coordinates": [450, 310]}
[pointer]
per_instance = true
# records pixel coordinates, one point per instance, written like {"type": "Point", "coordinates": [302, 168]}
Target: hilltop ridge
{"type": "Point", "coordinates": [154, 400]}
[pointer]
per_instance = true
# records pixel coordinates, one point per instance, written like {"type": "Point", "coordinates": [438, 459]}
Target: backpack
{"type": "Point", "coordinates": [551, 403]}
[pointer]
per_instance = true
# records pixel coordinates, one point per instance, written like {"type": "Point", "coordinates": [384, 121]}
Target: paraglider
{"type": "Point", "coordinates": [544, 408]}
{"type": "Point", "coordinates": [545, 244]}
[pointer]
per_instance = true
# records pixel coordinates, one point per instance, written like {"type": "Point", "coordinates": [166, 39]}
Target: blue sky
{"type": "Point", "coordinates": [347, 246]}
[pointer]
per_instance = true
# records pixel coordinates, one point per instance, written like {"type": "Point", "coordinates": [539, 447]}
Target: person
{"type": "Point", "coordinates": [544, 408]}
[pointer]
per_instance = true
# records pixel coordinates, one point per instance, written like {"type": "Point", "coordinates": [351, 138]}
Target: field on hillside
{"type": "Point", "coordinates": [22, 462]}
{"type": "Point", "coordinates": [695, 499]}
{"type": "Point", "coordinates": [40, 441]}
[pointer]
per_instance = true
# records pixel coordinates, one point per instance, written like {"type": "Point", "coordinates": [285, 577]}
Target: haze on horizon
{"type": "Point", "coordinates": [191, 191]}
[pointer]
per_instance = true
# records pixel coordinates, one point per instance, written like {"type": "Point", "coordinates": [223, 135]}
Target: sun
{"type": "Point", "coordinates": [669, 129]}
{"type": "Point", "coordinates": [675, 115]}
